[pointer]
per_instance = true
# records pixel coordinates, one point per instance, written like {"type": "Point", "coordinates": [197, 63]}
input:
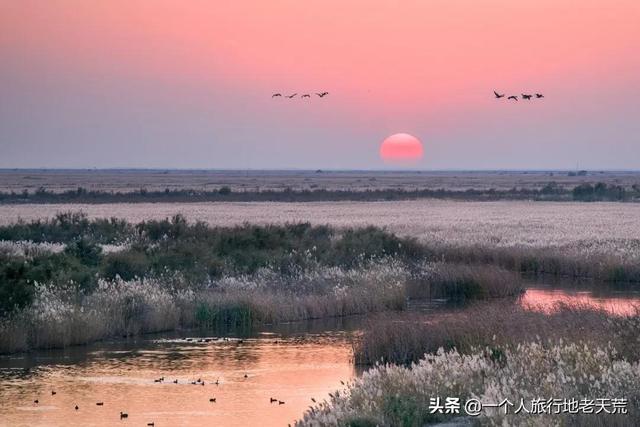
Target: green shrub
{"type": "Point", "coordinates": [16, 290]}
{"type": "Point", "coordinates": [85, 251]}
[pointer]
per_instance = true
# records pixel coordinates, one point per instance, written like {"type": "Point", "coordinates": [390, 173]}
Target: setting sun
{"type": "Point", "coordinates": [401, 148]}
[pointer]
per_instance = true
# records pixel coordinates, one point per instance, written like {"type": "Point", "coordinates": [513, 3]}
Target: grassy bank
{"type": "Point", "coordinates": [60, 316]}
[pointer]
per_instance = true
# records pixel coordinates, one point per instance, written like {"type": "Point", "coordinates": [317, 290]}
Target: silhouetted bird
{"type": "Point", "coordinates": [123, 415]}
{"type": "Point", "coordinates": [539, 95]}
{"type": "Point", "coordinates": [246, 376]}
{"type": "Point", "coordinates": [276, 94]}
{"type": "Point", "coordinates": [498, 95]}
{"type": "Point", "coordinates": [513, 97]}
{"type": "Point", "coordinates": [306, 95]}
{"type": "Point", "coordinates": [217, 381]}
{"type": "Point", "coordinates": [291, 96]}
{"type": "Point", "coordinates": [280, 402]}
{"type": "Point", "coordinates": [36, 401]}
{"type": "Point", "coordinates": [77, 407]}
{"type": "Point", "coordinates": [527, 97]}
{"type": "Point", "coordinates": [322, 94]}
{"type": "Point", "coordinates": [213, 399]}
{"type": "Point", "coordinates": [99, 403]}
{"type": "Point", "coordinates": [53, 393]}
{"type": "Point", "coordinates": [175, 381]}
{"type": "Point", "coordinates": [313, 400]}
{"type": "Point", "coordinates": [151, 424]}
{"type": "Point", "coordinates": [271, 400]}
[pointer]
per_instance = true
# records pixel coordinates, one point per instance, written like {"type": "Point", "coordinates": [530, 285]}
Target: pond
{"type": "Point", "coordinates": [291, 363]}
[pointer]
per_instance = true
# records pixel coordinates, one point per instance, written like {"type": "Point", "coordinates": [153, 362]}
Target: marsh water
{"type": "Point", "coordinates": [292, 363]}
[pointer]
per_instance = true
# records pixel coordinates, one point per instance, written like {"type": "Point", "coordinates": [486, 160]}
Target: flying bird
{"type": "Point", "coordinates": [498, 96]}
{"type": "Point", "coordinates": [291, 96]}
{"type": "Point", "coordinates": [276, 94]}
{"type": "Point", "coordinates": [539, 95]}
{"type": "Point", "coordinates": [513, 97]}
{"type": "Point", "coordinates": [306, 95]}
{"type": "Point", "coordinates": [322, 94]}
{"type": "Point", "coordinates": [525, 96]}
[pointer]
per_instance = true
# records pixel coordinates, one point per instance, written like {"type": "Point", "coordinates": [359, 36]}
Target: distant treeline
{"type": "Point", "coordinates": [550, 192]}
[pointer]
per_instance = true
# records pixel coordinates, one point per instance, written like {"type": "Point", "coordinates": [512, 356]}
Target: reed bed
{"type": "Point", "coordinates": [60, 317]}
{"type": "Point", "coordinates": [557, 261]}
{"type": "Point", "coordinates": [395, 395]}
{"type": "Point", "coordinates": [463, 282]}
{"type": "Point", "coordinates": [405, 339]}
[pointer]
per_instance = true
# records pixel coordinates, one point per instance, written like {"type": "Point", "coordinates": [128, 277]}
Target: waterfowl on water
{"type": "Point", "coordinates": [53, 393]}
{"type": "Point", "coordinates": [271, 400]}
{"type": "Point", "coordinates": [99, 403]}
{"type": "Point", "coordinates": [77, 407]}
{"type": "Point", "coordinates": [280, 402]}
{"type": "Point", "coordinates": [213, 399]}
{"type": "Point", "coordinates": [123, 415]}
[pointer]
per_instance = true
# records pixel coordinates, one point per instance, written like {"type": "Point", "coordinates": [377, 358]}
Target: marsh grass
{"type": "Point", "coordinates": [541, 261]}
{"type": "Point", "coordinates": [405, 339]}
{"type": "Point", "coordinates": [463, 282]}
{"type": "Point", "coordinates": [395, 395]}
{"type": "Point", "coordinates": [60, 317]}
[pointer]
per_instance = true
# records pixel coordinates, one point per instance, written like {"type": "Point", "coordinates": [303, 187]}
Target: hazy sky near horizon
{"type": "Point", "coordinates": [172, 83]}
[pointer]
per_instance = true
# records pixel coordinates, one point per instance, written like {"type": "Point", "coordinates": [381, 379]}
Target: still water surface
{"type": "Point", "coordinates": [292, 363]}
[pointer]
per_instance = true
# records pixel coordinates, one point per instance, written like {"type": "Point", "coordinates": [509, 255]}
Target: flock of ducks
{"type": "Point", "coordinates": [304, 95]}
{"type": "Point", "coordinates": [199, 381]}
{"type": "Point", "coordinates": [525, 96]}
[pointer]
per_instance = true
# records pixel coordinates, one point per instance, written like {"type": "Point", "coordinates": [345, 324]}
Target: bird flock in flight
{"type": "Point", "coordinates": [525, 96]}
{"type": "Point", "coordinates": [304, 95]}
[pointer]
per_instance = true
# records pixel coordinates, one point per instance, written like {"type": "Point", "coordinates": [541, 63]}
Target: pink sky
{"type": "Point", "coordinates": [188, 83]}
